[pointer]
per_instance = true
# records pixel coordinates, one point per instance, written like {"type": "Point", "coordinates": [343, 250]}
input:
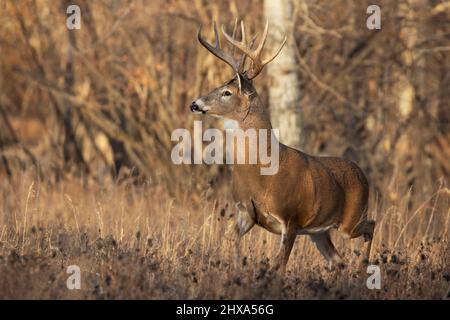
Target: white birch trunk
{"type": "Point", "coordinates": [284, 92]}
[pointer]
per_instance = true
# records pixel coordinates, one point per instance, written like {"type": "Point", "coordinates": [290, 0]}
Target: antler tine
{"type": "Point", "coordinates": [233, 48]}
{"type": "Point", "coordinates": [217, 51]}
{"type": "Point", "coordinates": [263, 39]}
{"type": "Point", "coordinates": [216, 36]}
{"type": "Point", "coordinates": [238, 44]}
{"type": "Point", "coordinates": [242, 32]}
{"type": "Point", "coordinates": [244, 56]}
{"type": "Point", "coordinates": [255, 55]}
{"type": "Point", "coordinates": [243, 42]}
{"type": "Point", "coordinates": [276, 52]}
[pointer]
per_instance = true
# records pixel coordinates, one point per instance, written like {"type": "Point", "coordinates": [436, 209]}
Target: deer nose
{"type": "Point", "coordinates": [194, 107]}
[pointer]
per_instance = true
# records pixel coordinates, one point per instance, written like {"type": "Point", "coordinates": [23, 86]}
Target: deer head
{"type": "Point", "coordinates": [232, 99]}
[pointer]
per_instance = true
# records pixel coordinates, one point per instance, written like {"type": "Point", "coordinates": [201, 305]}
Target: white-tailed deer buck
{"type": "Point", "coordinates": [309, 194]}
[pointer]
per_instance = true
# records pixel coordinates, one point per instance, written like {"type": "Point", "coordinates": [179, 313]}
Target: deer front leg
{"type": "Point", "coordinates": [243, 224]}
{"type": "Point", "coordinates": [288, 236]}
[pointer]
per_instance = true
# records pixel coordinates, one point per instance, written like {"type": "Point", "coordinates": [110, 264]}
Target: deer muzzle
{"type": "Point", "coordinates": [198, 107]}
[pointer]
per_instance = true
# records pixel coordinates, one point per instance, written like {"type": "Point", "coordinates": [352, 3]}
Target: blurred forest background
{"type": "Point", "coordinates": [98, 105]}
{"type": "Point", "coordinates": [107, 97]}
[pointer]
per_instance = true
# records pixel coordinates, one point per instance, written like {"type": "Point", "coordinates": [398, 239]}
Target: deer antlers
{"type": "Point", "coordinates": [218, 52]}
{"type": "Point", "coordinates": [246, 47]}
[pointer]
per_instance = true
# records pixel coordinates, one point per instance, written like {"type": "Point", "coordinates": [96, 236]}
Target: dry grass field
{"type": "Point", "coordinates": [86, 177]}
{"type": "Point", "coordinates": [138, 242]}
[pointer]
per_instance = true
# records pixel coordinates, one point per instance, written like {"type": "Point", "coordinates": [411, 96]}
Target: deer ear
{"type": "Point", "coordinates": [243, 83]}
{"type": "Point", "coordinates": [239, 80]}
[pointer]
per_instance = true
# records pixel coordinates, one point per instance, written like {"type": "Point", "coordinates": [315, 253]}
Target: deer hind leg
{"type": "Point", "coordinates": [365, 229]}
{"type": "Point", "coordinates": [327, 249]}
{"type": "Point", "coordinates": [354, 219]}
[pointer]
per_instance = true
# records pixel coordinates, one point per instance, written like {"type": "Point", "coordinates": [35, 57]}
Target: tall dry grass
{"type": "Point", "coordinates": [141, 227]}
{"type": "Point", "coordinates": [139, 242]}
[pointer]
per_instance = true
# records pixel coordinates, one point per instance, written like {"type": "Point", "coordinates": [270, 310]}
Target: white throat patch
{"type": "Point", "coordinates": [231, 124]}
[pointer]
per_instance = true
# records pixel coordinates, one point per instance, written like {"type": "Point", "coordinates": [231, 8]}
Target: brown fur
{"type": "Point", "coordinates": [308, 195]}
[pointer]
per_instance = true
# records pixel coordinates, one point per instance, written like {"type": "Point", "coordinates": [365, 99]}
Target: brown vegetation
{"type": "Point", "coordinates": [138, 242]}
{"type": "Point", "coordinates": [85, 170]}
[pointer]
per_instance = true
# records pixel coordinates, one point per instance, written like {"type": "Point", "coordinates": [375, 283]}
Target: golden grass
{"type": "Point", "coordinates": [137, 242]}
{"type": "Point", "coordinates": [140, 61]}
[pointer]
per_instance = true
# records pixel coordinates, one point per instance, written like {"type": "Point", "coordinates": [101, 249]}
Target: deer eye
{"type": "Point", "coordinates": [226, 93]}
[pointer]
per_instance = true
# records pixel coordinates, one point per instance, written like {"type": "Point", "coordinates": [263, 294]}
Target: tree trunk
{"type": "Point", "coordinates": [284, 92]}
{"type": "Point", "coordinates": [71, 150]}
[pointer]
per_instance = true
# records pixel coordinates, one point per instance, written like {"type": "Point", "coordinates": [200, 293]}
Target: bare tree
{"type": "Point", "coordinates": [284, 92]}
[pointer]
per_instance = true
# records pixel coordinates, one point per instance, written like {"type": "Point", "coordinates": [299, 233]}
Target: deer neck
{"type": "Point", "coordinates": [255, 118]}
